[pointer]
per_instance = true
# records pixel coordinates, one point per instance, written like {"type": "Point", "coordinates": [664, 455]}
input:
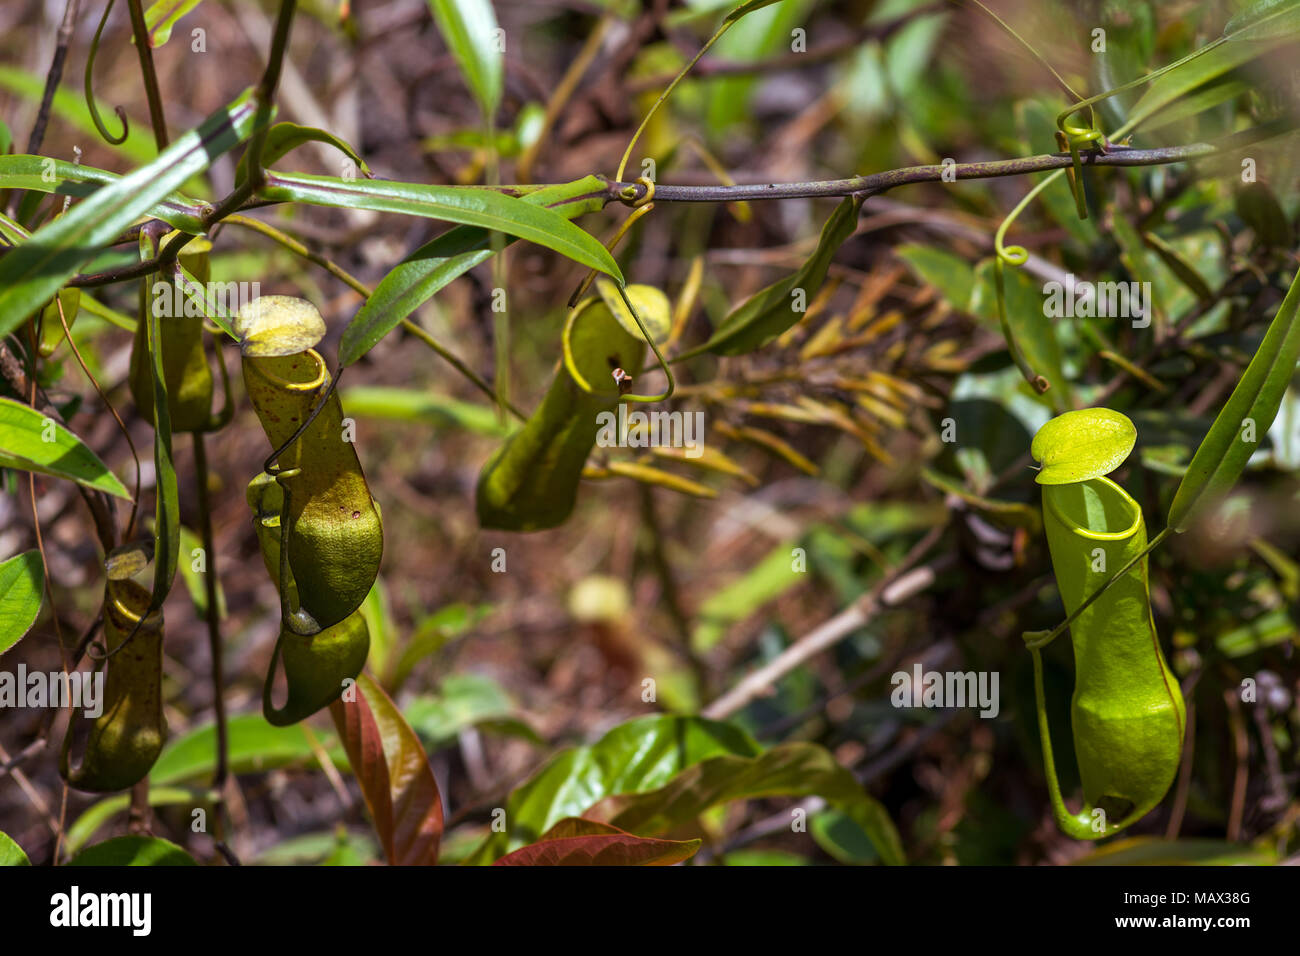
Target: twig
{"type": "Point", "coordinates": [142, 48]}
{"type": "Point", "coordinates": [213, 616]}
{"type": "Point", "coordinates": [876, 183]}
{"type": "Point", "coordinates": [906, 582]}
{"type": "Point", "coordinates": [1241, 747]}
{"type": "Point", "coordinates": [53, 77]}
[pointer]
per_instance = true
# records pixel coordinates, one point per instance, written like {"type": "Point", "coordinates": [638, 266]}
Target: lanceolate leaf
{"type": "Point", "coordinates": [22, 586]}
{"type": "Point", "coordinates": [799, 769]}
{"type": "Point", "coordinates": [283, 138]}
{"type": "Point", "coordinates": [770, 312]}
{"type": "Point", "coordinates": [577, 842]}
{"type": "Point", "coordinates": [394, 774]}
{"type": "Point", "coordinates": [1177, 83]}
{"type": "Point", "coordinates": [31, 273]}
{"type": "Point", "coordinates": [46, 175]}
{"type": "Point", "coordinates": [32, 442]}
{"type": "Point", "coordinates": [469, 28]}
{"type": "Point", "coordinates": [431, 267]}
{"type": "Point", "coordinates": [1245, 419]}
{"type": "Point", "coordinates": [749, 7]}
{"type": "Point", "coordinates": [468, 205]}
{"type": "Point", "coordinates": [639, 755]}
{"type": "Point", "coordinates": [1265, 19]}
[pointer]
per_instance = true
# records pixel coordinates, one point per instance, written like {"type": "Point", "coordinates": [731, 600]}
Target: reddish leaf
{"type": "Point", "coordinates": [394, 774]}
{"type": "Point", "coordinates": [577, 842]}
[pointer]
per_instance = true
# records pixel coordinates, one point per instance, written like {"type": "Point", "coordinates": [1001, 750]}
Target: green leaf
{"type": "Point", "coordinates": [34, 271]}
{"type": "Point", "coordinates": [1264, 20]}
{"type": "Point", "coordinates": [1258, 208]}
{"type": "Point", "coordinates": [842, 838]}
{"type": "Point", "coordinates": [195, 581]}
{"type": "Point", "coordinates": [1154, 851]}
{"type": "Point", "coordinates": [639, 755]}
{"type": "Point", "coordinates": [577, 842]}
{"type": "Point", "coordinates": [1181, 267]}
{"type": "Point", "coordinates": [766, 581]}
{"type": "Point", "coordinates": [1032, 330]}
{"type": "Point", "coordinates": [770, 312]}
{"type": "Point", "coordinates": [468, 205]}
{"type": "Point", "coordinates": [1194, 73]}
{"type": "Point", "coordinates": [950, 274]}
{"type": "Point", "coordinates": [1246, 417]}
{"type": "Point", "coordinates": [409, 405]}
{"type": "Point", "coordinates": [254, 747]}
{"type": "Point", "coordinates": [463, 700]}
{"type": "Point", "coordinates": [431, 267]}
{"type": "Point", "coordinates": [98, 814]}
{"type": "Point", "coordinates": [22, 588]}
{"type": "Point", "coordinates": [133, 851]}
{"type": "Point", "coordinates": [748, 7]}
{"type": "Point", "coordinates": [24, 445]}
{"type": "Point", "coordinates": [46, 175]}
{"type": "Point", "coordinates": [1078, 446]}
{"type": "Point", "coordinates": [11, 854]}
{"type": "Point", "coordinates": [282, 138]}
{"type": "Point", "coordinates": [469, 28]}
{"type": "Point", "coordinates": [798, 769]}
{"type": "Point", "coordinates": [162, 16]}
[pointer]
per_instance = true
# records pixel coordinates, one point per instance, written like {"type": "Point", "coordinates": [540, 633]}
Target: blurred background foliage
{"type": "Point", "coordinates": [830, 440]}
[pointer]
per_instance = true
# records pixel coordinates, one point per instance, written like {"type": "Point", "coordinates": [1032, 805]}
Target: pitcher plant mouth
{"type": "Point", "coordinates": [123, 607]}
{"type": "Point", "coordinates": [1117, 496]}
{"type": "Point", "coordinates": [319, 378]}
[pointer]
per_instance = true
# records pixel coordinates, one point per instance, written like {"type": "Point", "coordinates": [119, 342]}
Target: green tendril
{"type": "Point", "coordinates": [1016, 256]}
{"type": "Point", "coordinates": [90, 94]}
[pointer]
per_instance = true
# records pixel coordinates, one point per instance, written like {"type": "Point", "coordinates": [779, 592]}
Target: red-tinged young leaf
{"type": "Point", "coordinates": [577, 842]}
{"type": "Point", "coordinates": [394, 774]}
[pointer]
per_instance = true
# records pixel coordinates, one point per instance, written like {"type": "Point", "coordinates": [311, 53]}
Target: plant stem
{"type": "Point", "coordinates": [213, 614]}
{"type": "Point", "coordinates": [876, 183]}
{"type": "Point", "coordinates": [141, 33]}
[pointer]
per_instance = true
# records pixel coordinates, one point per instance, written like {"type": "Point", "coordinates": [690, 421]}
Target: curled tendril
{"type": "Point", "coordinates": [1016, 256]}
{"type": "Point", "coordinates": [1076, 137]}
{"type": "Point", "coordinates": [571, 365]}
{"type": "Point", "coordinates": [636, 198]}
{"type": "Point", "coordinates": [90, 93]}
